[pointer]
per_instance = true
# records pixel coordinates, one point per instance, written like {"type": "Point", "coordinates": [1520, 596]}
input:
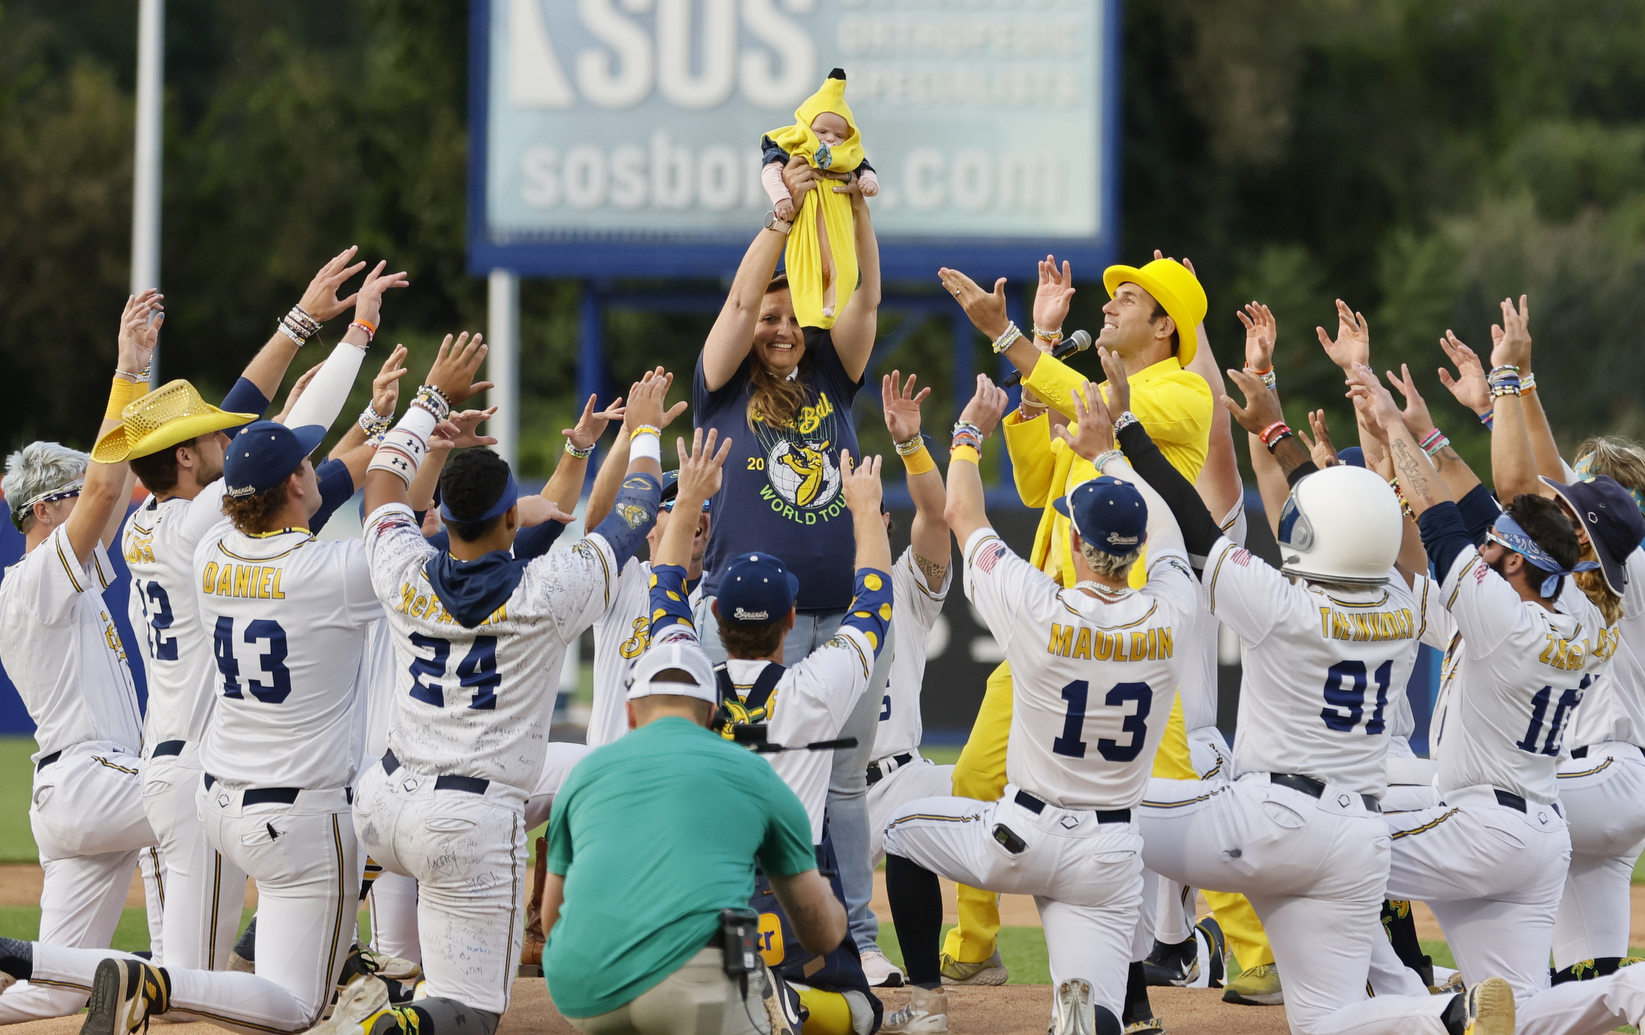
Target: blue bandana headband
{"type": "Point", "coordinates": [1584, 469]}
{"type": "Point", "coordinates": [1507, 532]}
{"type": "Point", "coordinates": [511, 493]}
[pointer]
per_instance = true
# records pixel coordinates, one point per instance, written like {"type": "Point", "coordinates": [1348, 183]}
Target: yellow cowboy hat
{"type": "Point", "coordinates": [1174, 288]}
{"type": "Point", "coordinates": [170, 414]}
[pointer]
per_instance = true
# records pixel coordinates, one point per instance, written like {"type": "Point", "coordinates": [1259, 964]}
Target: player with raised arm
{"type": "Point", "coordinates": [175, 443]}
{"type": "Point", "coordinates": [480, 634]}
{"type": "Point", "coordinates": [809, 703]}
{"type": "Point", "coordinates": [67, 661]}
{"type": "Point", "coordinates": [1298, 830]}
{"type": "Point", "coordinates": [1094, 669]}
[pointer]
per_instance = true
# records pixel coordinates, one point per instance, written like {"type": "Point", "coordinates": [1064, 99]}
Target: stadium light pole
{"type": "Point", "coordinates": [145, 201]}
{"type": "Point", "coordinates": [503, 362]}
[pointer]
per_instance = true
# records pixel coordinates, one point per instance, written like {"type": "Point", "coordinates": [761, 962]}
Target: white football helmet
{"type": "Point", "coordinates": [1340, 525]}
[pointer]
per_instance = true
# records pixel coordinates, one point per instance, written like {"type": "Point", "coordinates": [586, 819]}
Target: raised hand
{"type": "Point", "coordinates": [464, 425]}
{"type": "Point", "coordinates": [1363, 382]}
{"type": "Point", "coordinates": [455, 366]}
{"type": "Point", "coordinates": [385, 387]}
{"type": "Point", "coordinates": [986, 311]}
{"type": "Point", "coordinates": [368, 301]}
{"type": "Point", "coordinates": [1261, 410]}
{"type": "Point", "coordinates": [1469, 385]}
{"type": "Point", "coordinates": [986, 407]}
{"type": "Point", "coordinates": [902, 406]}
{"type": "Point", "coordinates": [1415, 415]}
{"type": "Point", "coordinates": [1096, 429]}
{"type": "Point", "coordinates": [645, 400]}
{"type": "Point", "coordinates": [1324, 454]}
{"type": "Point", "coordinates": [140, 330]}
{"type": "Point", "coordinates": [1054, 295]}
{"type": "Point", "coordinates": [702, 466]}
{"type": "Point", "coordinates": [320, 298]}
{"type": "Point", "coordinates": [1119, 383]}
{"type": "Point", "coordinates": [1353, 341]}
{"type": "Point", "coordinates": [1261, 332]}
{"type": "Point", "coordinates": [591, 425]}
{"type": "Point", "coordinates": [1511, 341]}
{"type": "Point", "coordinates": [861, 483]}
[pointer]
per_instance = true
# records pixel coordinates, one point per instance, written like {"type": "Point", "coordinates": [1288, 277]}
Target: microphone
{"type": "Point", "coordinates": [1079, 341]}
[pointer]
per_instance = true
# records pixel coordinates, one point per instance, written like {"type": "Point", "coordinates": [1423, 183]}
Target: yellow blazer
{"type": "Point", "coordinates": [1173, 404]}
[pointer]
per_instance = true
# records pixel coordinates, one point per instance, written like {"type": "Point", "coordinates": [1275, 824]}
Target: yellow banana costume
{"type": "Point", "coordinates": [822, 211]}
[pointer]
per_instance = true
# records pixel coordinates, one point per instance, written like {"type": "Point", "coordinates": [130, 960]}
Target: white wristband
{"type": "Point", "coordinates": [403, 449]}
{"type": "Point", "coordinates": [645, 445]}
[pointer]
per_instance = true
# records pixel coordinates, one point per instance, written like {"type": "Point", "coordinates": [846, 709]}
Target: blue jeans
{"type": "Point", "coordinates": [848, 784]}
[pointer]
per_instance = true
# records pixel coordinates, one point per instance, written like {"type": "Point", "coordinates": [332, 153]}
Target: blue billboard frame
{"type": "Point", "coordinates": [706, 256]}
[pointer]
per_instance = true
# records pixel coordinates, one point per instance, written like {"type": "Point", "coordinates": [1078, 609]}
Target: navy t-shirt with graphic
{"type": "Point", "coordinates": [782, 489]}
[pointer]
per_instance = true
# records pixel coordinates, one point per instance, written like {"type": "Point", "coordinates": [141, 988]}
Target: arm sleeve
{"type": "Point", "coordinates": [786, 849]}
{"type": "Point", "coordinates": [1444, 535]}
{"type": "Point", "coordinates": [535, 541]}
{"type": "Point", "coordinates": [336, 489]}
{"type": "Point", "coordinates": [1200, 531]}
{"type": "Point", "coordinates": [323, 400]}
{"type": "Point", "coordinates": [1033, 461]}
{"type": "Point", "coordinates": [245, 397]}
{"type": "Point", "coordinates": [771, 178]}
{"type": "Point", "coordinates": [1479, 510]}
{"type": "Point", "coordinates": [632, 515]}
{"type": "Point", "coordinates": [671, 607]}
{"type": "Point", "coordinates": [871, 607]}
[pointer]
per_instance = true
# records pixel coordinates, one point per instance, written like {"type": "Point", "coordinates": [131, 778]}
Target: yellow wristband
{"type": "Point", "coordinates": [121, 393]}
{"type": "Point", "coordinates": [966, 453]}
{"type": "Point", "coordinates": [919, 462]}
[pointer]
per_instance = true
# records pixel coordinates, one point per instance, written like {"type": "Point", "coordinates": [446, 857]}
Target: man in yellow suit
{"type": "Point", "coordinates": [1151, 322]}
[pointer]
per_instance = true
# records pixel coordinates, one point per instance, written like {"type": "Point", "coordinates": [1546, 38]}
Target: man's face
{"type": "Point", "coordinates": [310, 486]}
{"type": "Point", "coordinates": [1128, 325]}
{"type": "Point", "coordinates": [208, 457]}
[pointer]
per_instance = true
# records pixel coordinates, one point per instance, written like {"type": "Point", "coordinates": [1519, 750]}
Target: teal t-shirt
{"type": "Point", "coordinates": [654, 835]}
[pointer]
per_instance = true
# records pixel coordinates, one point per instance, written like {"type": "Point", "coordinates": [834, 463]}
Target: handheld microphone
{"type": "Point", "coordinates": [1079, 341]}
{"type": "Point", "coordinates": [753, 737]}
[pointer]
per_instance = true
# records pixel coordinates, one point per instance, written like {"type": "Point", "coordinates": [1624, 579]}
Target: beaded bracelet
{"type": "Point", "coordinates": [967, 434]}
{"type": "Point", "coordinates": [1399, 494]}
{"type": "Point", "coordinates": [1105, 456]}
{"type": "Point", "coordinates": [1055, 335]}
{"type": "Point", "coordinates": [1527, 383]}
{"type": "Point", "coordinates": [297, 337]}
{"type": "Point", "coordinates": [141, 375]}
{"type": "Point", "coordinates": [910, 446]}
{"type": "Point", "coordinates": [1270, 380]}
{"type": "Point", "coordinates": [1007, 339]}
{"type": "Point", "coordinates": [579, 454]}
{"type": "Point", "coordinates": [1505, 386]}
{"type": "Point", "coordinates": [433, 400]}
{"type": "Point", "coordinates": [373, 423]}
{"type": "Point", "coordinates": [1125, 420]}
{"type": "Point", "coordinates": [371, 330]}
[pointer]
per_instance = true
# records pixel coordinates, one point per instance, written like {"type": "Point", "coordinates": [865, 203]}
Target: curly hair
{"type": "Point", "coordinates": [1617, 457]}
{"type": "Point", "coordinates": [254, 514]}
{"type": "Point", "coordinates": [471, 482]}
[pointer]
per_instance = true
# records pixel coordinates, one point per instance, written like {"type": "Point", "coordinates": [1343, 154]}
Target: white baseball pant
{"type": "Point", "coordinates": [303, 857]}
{"type": "Point", "coordinates": [467, 852]}
{"type": "Point", "coordinates": [87, 817]}
{"type": "Point", "coordinates": [204, 892]}
{"type": "Point", "coordinates": [393, 902]}
{"type": "Point", "coordinates": [557, 765]}
{"type": "Point", "coordinates": [901, 784]}
{"type": "Point", "coordinates": [1085, 876]}
{"type": "Point", "coordinates": [1410, 784]}
{"type": "Point", "coordinates": [1174, 902]}
{"type": "Point", "coordinates": [1604, 800]}
{"type": "Point", "coordinates": [1315, 871]}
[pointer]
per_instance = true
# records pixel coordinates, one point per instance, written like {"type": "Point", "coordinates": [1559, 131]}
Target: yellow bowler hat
{"type": "Point", "coordinates": [170, 414]}
{"type": "Point", "coordinates": [1174, 288]}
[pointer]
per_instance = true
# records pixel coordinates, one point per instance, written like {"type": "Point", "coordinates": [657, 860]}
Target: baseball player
{"type": "Point", "coordinates": [808, 703]}
{"type": "Point", "coordinates": [1490, 859]}
{"type": "Point", "coordinates": [175, 444]}
{"type": "Point", "coordinates": [481, 635]}
{"type": "Point", "coordinates": [1094, 668]}
{"type": "Point", "coordinates": [70, 668]}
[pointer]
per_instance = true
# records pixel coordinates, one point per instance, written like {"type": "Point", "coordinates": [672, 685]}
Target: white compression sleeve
{"type": "Point", "coordinates": [402, 450]}
{"type": "Point", "coordinates": [323, 400]}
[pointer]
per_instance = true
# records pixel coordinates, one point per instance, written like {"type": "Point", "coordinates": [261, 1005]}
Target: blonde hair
{"type": "Point", "coordinates": [1109, 566]}
{"type": "Point", "coordinates": [40, 467]}
{"type": "Point", "coordinates": [776, 400]}
{"type": "Point", "coordinates": [1617, 458]}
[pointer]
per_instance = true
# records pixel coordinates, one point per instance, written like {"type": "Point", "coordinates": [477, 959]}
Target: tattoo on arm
{"type": "Point", "coordinates": [932, 571]}
{"type": "Point", "coordinates": [1410, 470]}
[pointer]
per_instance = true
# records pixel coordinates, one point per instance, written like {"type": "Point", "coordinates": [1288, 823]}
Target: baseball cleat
{"type": "Point", "coordinates": [1074, 1013]}
{"type": "Point", "coordinates": [1152, 1026]}
{"type": "Point", "coordinates": [881, 972]}
{"type": "Point", "coordinates": [125, 993]}
{"type": "Point", "coordinates": [989, 972]}
{"type": "Point", "coordinates": [1214, 948]}
{"type": "Point", "coordinates": [925, 1013]}
{"type": "Point", "coordinates": [6, 981]}
{"type": "Point", "coordinates": [1258, 986]}
{"type": "Point", "coordinates": [1488, 1008]}
{"type": "Point", "coordinates": [358, 1006]}
{"type": "Point", "coordinates": [397, 975]}
{"type": "Point", "coordinates": [1173, 965]}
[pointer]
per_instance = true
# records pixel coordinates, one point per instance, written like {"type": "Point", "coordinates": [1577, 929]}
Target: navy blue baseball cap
{"type": "Point", "coordinates": [1611, 519]}
{"type": "Point", "coordinates": [264, 454]}
{"type": "Point", "coordinates": [756, 588]}
{"type": "Point", "coordinates": [1107, 513]}
{"type": "Point", "coordinates": [671, 490]}
{"type": "Point", "coordinates": [1353, 456]}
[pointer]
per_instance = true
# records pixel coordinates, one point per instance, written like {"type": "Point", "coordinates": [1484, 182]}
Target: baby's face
{"type": "Point", "coordinates": [830, 128]}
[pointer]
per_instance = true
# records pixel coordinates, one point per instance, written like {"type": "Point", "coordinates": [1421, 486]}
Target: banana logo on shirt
{"type": "Point", "coordinates": [802, 473]}
{"type": "Point", "coordinates": [632, 513]}
{"type": "Point", "coordinates": [810, 465]}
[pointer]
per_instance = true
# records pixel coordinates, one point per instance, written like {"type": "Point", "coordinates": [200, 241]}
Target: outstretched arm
{"type": "Point", "coordinates": [450, 382]}
{"type": "Point", "coordinates": [323, 400]}
{"type": "Point", "coordinates": [107, 487]}
{"type": "Point", "coordinates": [858, 323]}
{"type": "Point", "coordinates": [1219, 483]}
{"type": "Point", "coordinates": [732, 335]}
{"type": "Point", "coordinates": [965, 512]}
{"type": "Point", "coordinates": [1512, 346]}
{"type": "Point", "coordinates": [929, 535]}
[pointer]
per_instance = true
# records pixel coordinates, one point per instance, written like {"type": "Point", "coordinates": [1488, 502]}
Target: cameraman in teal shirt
{"type": "Point", "coordinates": [650, 838]}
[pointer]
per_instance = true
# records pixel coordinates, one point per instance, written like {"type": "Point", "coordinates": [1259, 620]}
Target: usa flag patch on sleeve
{"type": "Point", "coordinates": [990, 556]}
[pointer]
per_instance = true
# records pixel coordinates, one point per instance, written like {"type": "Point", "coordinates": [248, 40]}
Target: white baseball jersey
{"type": "Point", "coordinates": [287, 614]}
{"type": "Point", "coordinates": [1322, 668]}
{"type": "Point", "coordinates": [62, 651]}
{"type": "Point", "coordinates": [1613, 708]}
{"type": "Point", "coordinates": [620, 637]}
{"type": "Point", "coordinates": [478, 702]}
{"type": "Point", "coordinates": [377, 678]}
{"type": "Point", "coordinates": [914, 610]}
{"type": "Point", "coordinates": [1515, 678]}
{"type": "Point", "coordinates": [1199, 644]}
{"type": "Point", "coordinates": [1092, 677]}
{"type": "Point", "coordinates": [158, 542]}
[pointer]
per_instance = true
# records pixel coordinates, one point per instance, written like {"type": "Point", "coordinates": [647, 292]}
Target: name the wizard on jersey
{"type": "Point", "coordinates": [1076, 641]}
{"type": "Point", "coordinates": [1367, 626]}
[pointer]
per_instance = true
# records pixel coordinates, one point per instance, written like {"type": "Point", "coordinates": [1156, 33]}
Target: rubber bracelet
{"type": "Point", "coordinates": [1487, 418]}
{"type": "Point", "coordinates": [1277, 439]}
{"type": "Point", "coordinates": [919, 461]}
{"type": "Point", "coordinates": [1527, 383]}
{"type": "Point", "coordinates": [970, 454]}
{"type": "Point", "coordinates": [1429, 440]}
{"type": "Point", "coordinates": [1273, 429]}
{"type": "Point", "coordinates": [1434, 448]}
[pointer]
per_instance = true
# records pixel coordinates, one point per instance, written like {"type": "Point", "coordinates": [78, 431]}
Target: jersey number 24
{"type": "Point", "coordinates": [477, 671]}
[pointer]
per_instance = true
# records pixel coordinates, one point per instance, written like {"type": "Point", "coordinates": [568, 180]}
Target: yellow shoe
{"type": "Point", "coordinates": [1258, 986]}
{"type": "Point", "coordinates": [989, 972]}
{"type": "Point", "coordinates": [1488, 1008]}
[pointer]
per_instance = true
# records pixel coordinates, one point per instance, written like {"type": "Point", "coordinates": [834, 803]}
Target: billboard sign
{"type": "Point", "coordinates": [616, 137]}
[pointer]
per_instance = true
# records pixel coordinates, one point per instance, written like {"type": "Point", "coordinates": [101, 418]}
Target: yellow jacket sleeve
{"type": "Point", "coordinates": [1032, 460]}
{"type": "Point", "coordinates": [1056, 382]}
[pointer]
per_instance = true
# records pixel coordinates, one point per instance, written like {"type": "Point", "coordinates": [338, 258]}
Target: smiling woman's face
{"type": "Point", "coordinates": [778, 343]}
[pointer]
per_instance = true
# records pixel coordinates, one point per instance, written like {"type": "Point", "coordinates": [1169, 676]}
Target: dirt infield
{"type": "Point", "coordinates": [1007, 1010]}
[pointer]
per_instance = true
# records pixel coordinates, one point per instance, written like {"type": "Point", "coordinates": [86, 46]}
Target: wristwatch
{"type": "Point", "coordinates": [782, 226]}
